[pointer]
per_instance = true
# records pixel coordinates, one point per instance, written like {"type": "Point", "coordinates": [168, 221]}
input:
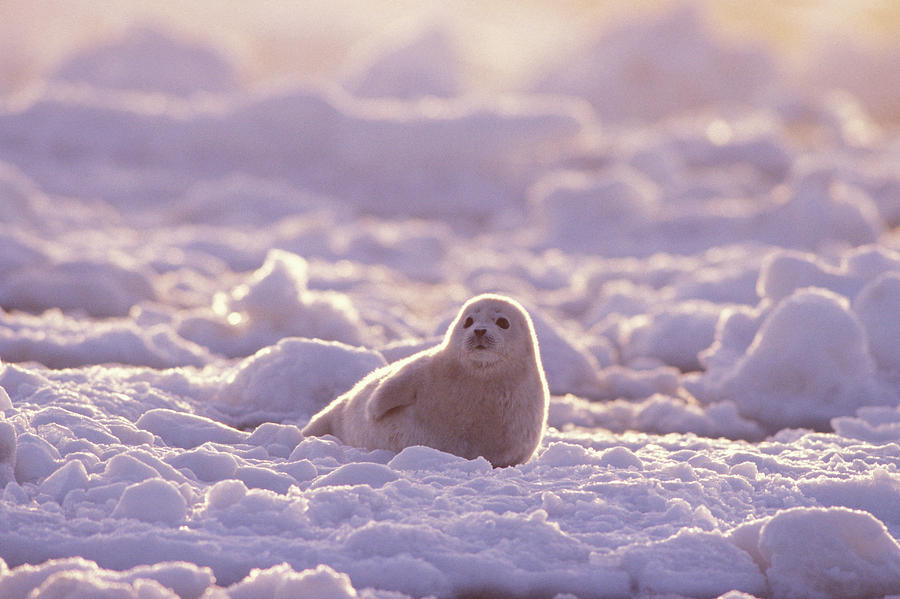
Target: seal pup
{"type": "Point", "coordinates": [480, 392]}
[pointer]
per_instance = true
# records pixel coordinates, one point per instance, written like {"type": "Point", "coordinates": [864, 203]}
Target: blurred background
{"type": "Point", "coordinates": [501, 45]}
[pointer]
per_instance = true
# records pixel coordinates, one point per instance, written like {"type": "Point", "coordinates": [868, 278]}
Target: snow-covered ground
{"type": "Point", "coordinates": [191, 267]}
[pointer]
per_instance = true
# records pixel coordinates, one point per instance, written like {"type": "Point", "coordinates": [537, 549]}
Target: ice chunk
{"type": "Point", "coordinates": [180, 429]}
{"type": "Point", "coordinates": [187, 580]}
{"type": "Point", "coordinates": [123, 467]}
{"type": "Point", "coordinates": [282, 581]}
{"type": "Point", "coordinates": [151, 60]}
{"type": "Point", "coordinates": [820, 210]}
{"type": "Point", "coordinates": [876, 492]}
{"type": "Point", "coordinates": [829, 553]}
{"type": "Point", "coordinates": [579, 213]}
{"type": "Point", "coordinates": [264, 478]}
{"type": "Point", "coordinates": [295, 378]}
{"type": "Point", "coordinates": [71, 578]}
{"type": "Point", "coordinates": [418, 63]}
{"type": "Point", "coordinates": [35, 458]}
{"type": "Point", "coordinates": [659, 66]}
{"type": "Point", "coordinates": [70, 476]}
{"type": "Point", "coordinates": [808, 363]}
{"type": "Point", "coordinates": [675, 335]}
{"type": "Point", "coordinates": [152, 500]}
{"type": "Point", "coordinates": [275, 302]}
{"type": "Point", "coordinates": [374, 475]}
{"type": "Point", "coordinates": [569, 367]}
{"type": "Point", "coordinates": [422, 458]}
{"type": "Point", "coordinates": [77, 584]}
{"type": "Point", "coordinates": [99, 288]}
{"type": "Point", "coordinates": [874, 424]}
{"type": "Point", "coordinates": [207, 464]}
{"type": "Point", "coordinates": [60, 340]}
{"type": "Point", "coordinates": [878, 308]}
{"type": "Point", "coordinates": [784, 272]}
{"type": "Point", "coordinates": [7, 450]}
{"type": "Point", "coordinates": [621, 457]}
{"type": "Point", "coordinates": [694, 563]}
{"type": "Point", "coordinates": [658, 413]}
{"type": "Point", "coordinates": [278, 439]}
{"type": "Point", "coordinates": [225, 493]}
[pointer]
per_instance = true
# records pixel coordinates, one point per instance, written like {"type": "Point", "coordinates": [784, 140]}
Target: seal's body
{"type": "Point", "coordinates": [481, 392]}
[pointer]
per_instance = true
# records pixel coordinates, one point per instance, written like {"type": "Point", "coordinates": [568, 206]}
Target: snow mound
{"type": "Point", "coordinates": [878, 309]}
{"type": "Point", "coordinates": [819, 210]}
{"type": "Point", "coordinates": [308, 137]}
{"type": "Point", "coordinates": [99, 288]}
{"type": "Point", "coordinates": [568, 366]}
{"type": "Point", "coordinates": [61, 341]}
{"type": "Point", "coordinates": [783, 272]}
{"type": "Point", "coordinates": [663, 65]}
{"type": "Point", "coordinates": [873, 424]}
{"type": "Point", "coordinates": [674, 336]}
{"type": "Point", "coordinates": [294, 378]}
{"type": "Point", "coordinates": [152, 500]}
{"type": "Point", "coordinates": [150, 60]}
{"type": "Point", "coordinates": [283, 581]}
{"type": "Point", "coordinates": [694, 563]}
{"type": "Point", "coordinates": [180, 429]}
{"type": "Point", "coordinates": [421, 62]}
{"type": "Point", "coordinates": [417, 249]}
{"type": "Point", "coordinates": [273, 303]}
{"type": "Point", "coordinates": [7, 444]}
{"type": "Point", "coordinates": [578, 211]}
{"type": "Point", "coordinates": [825, 553]}
{"type": "Point", "coordinates": [807, 363]}
{"type": "Point", "coordinates": [242, 200]}
{"type": "Point", "coordinates": [659, 413]}
{"type": "Point", "coordinates": [77, 577]}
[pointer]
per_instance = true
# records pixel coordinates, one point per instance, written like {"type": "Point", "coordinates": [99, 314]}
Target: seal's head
{"type": "Point", "coordinates": [491, 332]}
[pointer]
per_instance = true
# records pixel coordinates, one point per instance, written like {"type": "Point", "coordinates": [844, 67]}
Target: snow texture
{"type": "Point", "coordinates": [192, 266]}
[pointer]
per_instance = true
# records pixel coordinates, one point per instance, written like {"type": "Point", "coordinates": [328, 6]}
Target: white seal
{"type": "Point", "coordinates": [480, 392]}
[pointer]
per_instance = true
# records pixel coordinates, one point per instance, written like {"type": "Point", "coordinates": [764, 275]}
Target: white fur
{"type": "Point", "coordinates": [471, 396]}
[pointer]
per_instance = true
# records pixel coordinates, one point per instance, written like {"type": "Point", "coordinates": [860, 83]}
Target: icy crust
{"type": "Point", "coordinates": [594, 515]}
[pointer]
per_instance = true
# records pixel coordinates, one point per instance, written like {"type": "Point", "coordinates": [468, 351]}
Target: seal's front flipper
{"type": "Point", "coordinates": [393, 393]}
{"type": "Point", "coordinates": [320, 424]}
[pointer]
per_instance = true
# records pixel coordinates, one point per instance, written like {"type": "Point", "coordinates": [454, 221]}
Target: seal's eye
{"type": "Point", "coordinates": [502, 323]}
{"type": "Point", "coordinates": [468, 323]}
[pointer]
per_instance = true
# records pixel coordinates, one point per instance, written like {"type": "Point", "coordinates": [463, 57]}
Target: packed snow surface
{"type": "Point", "coordinates": [191, 267]}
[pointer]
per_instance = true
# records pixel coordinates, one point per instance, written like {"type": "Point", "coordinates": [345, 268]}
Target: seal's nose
{"type": "Point", "coordinates": [480, 332]}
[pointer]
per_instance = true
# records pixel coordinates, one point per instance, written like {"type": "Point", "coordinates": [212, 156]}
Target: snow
{"type": "Point", "coordinates": [416, 63]}
{"type": "Point", "coordinates": [855, 557]}
{"type": "Point", "coordinates": [153, 500]}
{"type": "Point", "coordinates": [658, 66]}
{"type": "Point", "coordinates": [193, 262]}
{"type": "Point", "coordinates": [148, 59]}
